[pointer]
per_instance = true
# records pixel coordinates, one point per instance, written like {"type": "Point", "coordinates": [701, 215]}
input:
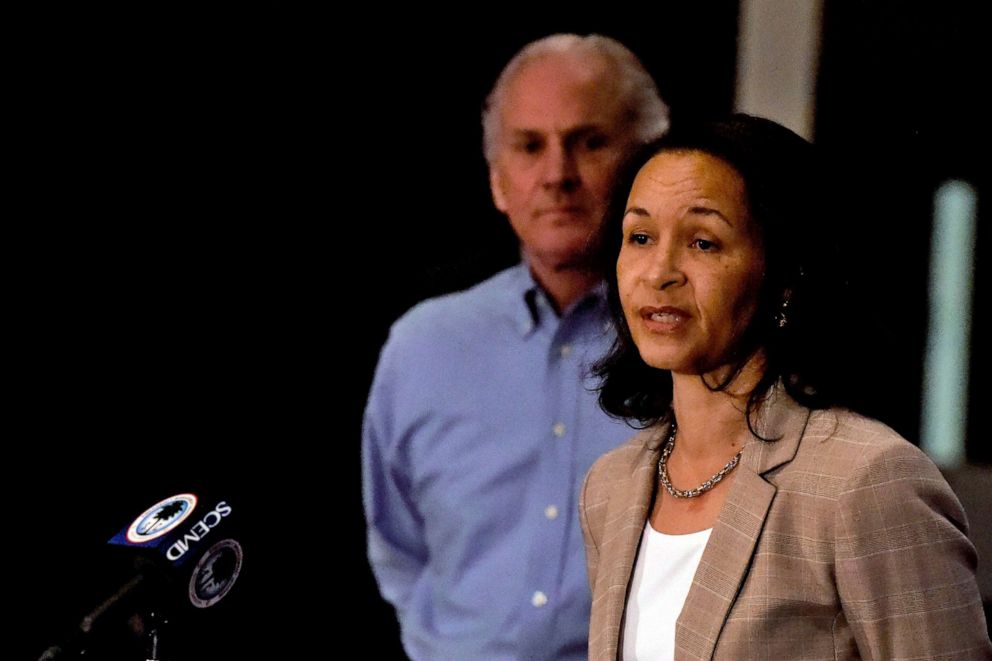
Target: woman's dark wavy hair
{"type": "Point", "coordinates": [784, 189]}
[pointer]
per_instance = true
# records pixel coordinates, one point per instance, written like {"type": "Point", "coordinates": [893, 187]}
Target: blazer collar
{"type": "Point", "coordinates": [781, 421]}
{"type": "Point", "coordinates": [724, 563]}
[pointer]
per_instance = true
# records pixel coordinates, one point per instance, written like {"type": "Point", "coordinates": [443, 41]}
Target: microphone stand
{"type": "Point", "coordinates": [152, 626]}
{"type": "Point", "coordinates": [157, 622]}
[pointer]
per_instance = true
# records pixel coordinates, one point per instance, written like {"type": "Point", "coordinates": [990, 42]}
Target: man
{"type": "Point", "coordinates": [482, 421]}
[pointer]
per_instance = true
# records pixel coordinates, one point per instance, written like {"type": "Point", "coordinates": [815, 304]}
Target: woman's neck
{"type": "Point", "coordinates": [713, 423]}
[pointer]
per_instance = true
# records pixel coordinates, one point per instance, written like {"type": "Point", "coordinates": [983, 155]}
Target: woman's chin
{"type": "Point", "coordinates": [668, 361]}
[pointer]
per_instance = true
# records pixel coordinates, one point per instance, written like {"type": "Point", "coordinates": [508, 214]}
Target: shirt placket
{"type": "Point", "coordinates": [552, 502]}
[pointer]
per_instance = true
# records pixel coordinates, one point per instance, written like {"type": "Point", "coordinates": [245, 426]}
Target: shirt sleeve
{"type": "Point", "coordinates": [396, 547]}
{"type": "Point", "coordinates": [905, 567]}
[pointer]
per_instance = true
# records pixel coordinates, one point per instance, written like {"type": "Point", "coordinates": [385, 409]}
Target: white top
{"type": "Point", "coordinates": [662, 578]}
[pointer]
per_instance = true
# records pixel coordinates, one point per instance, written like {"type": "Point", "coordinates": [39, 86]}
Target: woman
{"type": "Point", "coordinates": [754, 517]}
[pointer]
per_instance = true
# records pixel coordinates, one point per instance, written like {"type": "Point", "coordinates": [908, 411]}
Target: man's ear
{"type": "Point", "coordinates": [495, 186]}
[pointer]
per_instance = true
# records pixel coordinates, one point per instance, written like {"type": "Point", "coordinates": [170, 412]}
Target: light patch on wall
{"type": "Point", "coordinates": [945, 376]}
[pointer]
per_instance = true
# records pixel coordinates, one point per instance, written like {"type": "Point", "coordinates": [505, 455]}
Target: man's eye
{"type": "Point", "coordinates": [704, 244]}
{"type": "Point", "coordinates": [529, 147]}
{"type": "Point", "coordinates": [595, 142]}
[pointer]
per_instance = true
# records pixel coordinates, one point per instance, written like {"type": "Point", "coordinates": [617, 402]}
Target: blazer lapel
{"type": "Point", "coordinates": [627, 515]}
{"type": "Point", "coordinates": [724, 564]}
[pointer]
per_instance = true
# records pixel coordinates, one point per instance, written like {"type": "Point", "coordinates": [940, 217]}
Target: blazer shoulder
{"type": "Point", "coordinates": [844, 442]}
{"type": "Point", "coordinates": [842, 451]}
{"type": "Point", "coordinates": [609, 477]}
{"type": "Point", "coordinates": [611, 469]}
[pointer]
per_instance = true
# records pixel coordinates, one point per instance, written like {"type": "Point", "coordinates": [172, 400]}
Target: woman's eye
{"type": "Point", "coordinates": [639, 238]}
{"type": "Point", "coordinates": [704, 244]}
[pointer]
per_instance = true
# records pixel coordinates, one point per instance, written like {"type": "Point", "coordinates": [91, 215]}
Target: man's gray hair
{"type": "Point", "coordinates": [647, 113]}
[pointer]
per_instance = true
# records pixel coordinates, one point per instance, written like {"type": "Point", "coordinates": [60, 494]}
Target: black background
{"type": "Point", "coordinates": [218, 216]}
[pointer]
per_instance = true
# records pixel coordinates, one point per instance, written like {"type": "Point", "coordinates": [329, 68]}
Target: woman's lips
{"type": "Point", "coordinates": [666, 319]}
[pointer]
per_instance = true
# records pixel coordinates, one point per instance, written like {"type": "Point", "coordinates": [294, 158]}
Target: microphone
{"type": "Point", "coordinates": [186, 558]}
{"type": "Point", "coordinates": [189, 539]}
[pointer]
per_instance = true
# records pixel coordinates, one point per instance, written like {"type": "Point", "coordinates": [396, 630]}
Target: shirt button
{"type": "Point", "coordinates": [551, 512]}
{"type": "Point", "coordinates": [539, 599]}
{"type": "Point", "coordinates": [559, 429]}
{"type": "Point", "coordinates": [566, 350]}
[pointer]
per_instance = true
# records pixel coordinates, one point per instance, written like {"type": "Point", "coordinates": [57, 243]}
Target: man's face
{"type": "Point", "coordinates": [561, 142]}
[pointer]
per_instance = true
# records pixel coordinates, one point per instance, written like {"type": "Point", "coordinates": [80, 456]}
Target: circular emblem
{"type": "Point", "coordinates": [161, 517]}
{"type": "Point", "coordinates": [215, 573]}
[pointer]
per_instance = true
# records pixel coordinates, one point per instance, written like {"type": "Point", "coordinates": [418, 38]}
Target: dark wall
{"type": "Point", "coordinates": [899, 112]}
{"type": "Point", "coordinates": [169, 316]}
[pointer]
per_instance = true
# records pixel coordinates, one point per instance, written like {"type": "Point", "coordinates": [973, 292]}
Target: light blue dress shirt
{"type": "Point", "coordinates": [480, 426]}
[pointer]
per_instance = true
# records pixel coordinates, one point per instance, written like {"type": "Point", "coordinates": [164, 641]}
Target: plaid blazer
{"type": "Point", "coordinates": [839, 540]}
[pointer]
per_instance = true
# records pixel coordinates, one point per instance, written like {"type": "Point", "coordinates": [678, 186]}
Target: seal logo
{"type": "Point", "coordinates": [161, 517]}
{"type": "Point", "coordinates": [215, 573]}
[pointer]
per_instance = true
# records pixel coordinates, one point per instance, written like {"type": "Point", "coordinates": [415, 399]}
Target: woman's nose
{"type": "Point", "coordinates": [664, 269]}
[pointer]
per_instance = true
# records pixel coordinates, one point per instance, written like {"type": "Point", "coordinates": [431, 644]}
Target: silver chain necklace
{"type": "Point", "coordinates": [702, 488]}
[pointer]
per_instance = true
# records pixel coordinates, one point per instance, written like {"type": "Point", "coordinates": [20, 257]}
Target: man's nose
{"type": "Point", "coordinates": [561, 169]}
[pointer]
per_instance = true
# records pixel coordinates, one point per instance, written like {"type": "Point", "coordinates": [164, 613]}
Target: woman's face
{"type": "Point", "coordinates": [691, 262]}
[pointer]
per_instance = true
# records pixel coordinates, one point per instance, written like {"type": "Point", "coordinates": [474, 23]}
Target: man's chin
{"type": "Point", "coordinates": [566, 218]}
{"type": "Point", "coordinates": [581, 259]}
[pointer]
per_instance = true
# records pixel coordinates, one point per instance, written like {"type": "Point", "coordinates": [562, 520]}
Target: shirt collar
{"type": "Point", "coordinates": [532, 305]}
